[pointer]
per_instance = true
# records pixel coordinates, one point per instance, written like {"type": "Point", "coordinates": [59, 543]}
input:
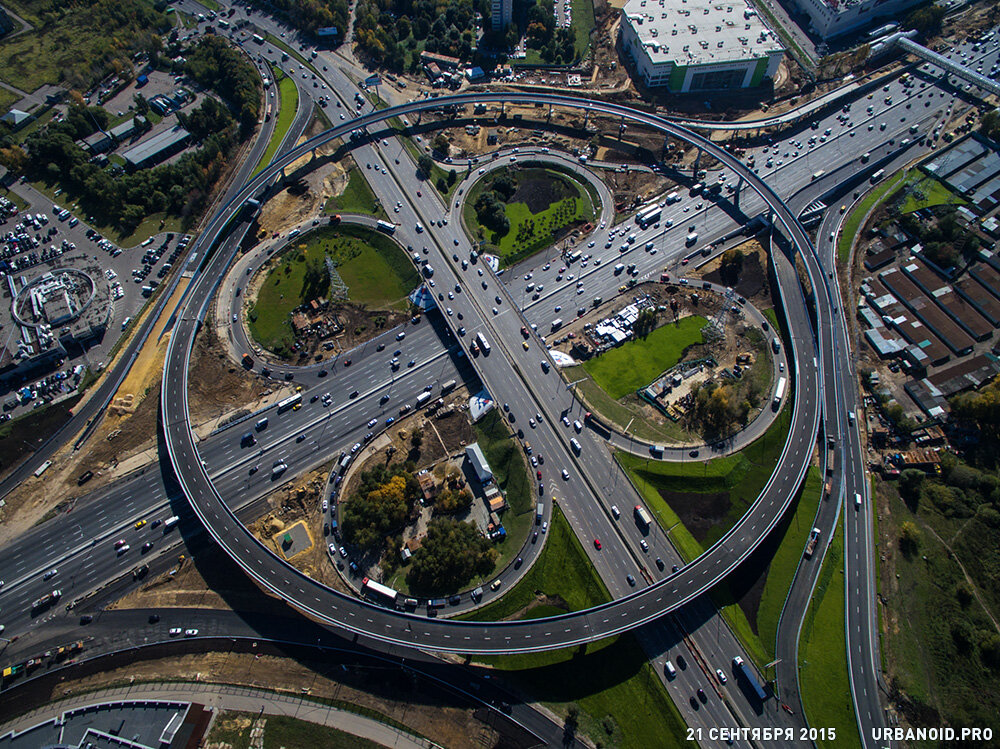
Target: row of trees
{"type": "Point", "coordinates": [717, 408]}
{"type": "Point", "coordinates": [387, 29]}
{"type": "Point", "coordinates": [310, 15]}
{"type": "Point", "coordinates": [946, 242]}
{"type": "Point", "coordinates": [216, 65]}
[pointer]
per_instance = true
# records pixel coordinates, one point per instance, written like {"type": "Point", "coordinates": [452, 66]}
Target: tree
{"type": "Point", "coordinates": [370, 516]}
{"type": "Point", "coordinates": [451, 555]}
{"type": "Point", "coordinates": [425, 164]}
{"type": "Point", "coordinates": [14, 158]}
{"type": "Point", "coordinates": [441, 143]}
{"type": "Point", "coordinates": [910, 481]}
{"type": "Point", "coordinates": [731, 265]}
{"type": "Point", "coordinates": [315, 281]}
{"type": "Point", "coordinates": [141, 104]}
{"type": "Point", "coordinates": [909, 538]}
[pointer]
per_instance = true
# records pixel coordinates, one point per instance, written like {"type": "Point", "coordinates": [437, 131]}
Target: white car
{"type": "Point", "coordinates": [565, 475]}
{"type": "Point", "coordinates": [175, 631]}
{"type": "Point", "coordinates": [373, 422]}
{"type": "Point", "coordinates": [190, 632]}
{"type": "Point", "coordinates": [721, 674]}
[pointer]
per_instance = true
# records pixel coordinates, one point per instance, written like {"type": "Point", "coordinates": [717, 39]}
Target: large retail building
{"type": "Point", "coordinates": [696, 45]}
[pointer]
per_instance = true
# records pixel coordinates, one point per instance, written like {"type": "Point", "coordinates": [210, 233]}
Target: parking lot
{"type": "Point", "coordinates": [47, 237]}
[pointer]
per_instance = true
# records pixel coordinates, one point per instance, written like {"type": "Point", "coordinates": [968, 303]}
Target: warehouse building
{"type": "Point", "coordinates": [697, 45]}
{"type": "Point", "coordinates": [154, 150]}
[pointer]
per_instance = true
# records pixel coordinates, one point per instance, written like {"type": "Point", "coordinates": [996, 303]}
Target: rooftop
{"type": "Point", "coordinates": [152, 146]}
{"type": "Point", "coordinates": [696, 32]}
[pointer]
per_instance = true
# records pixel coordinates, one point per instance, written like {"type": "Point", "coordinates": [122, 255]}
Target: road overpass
{"type": "Point", "coordinates": [390, 626]}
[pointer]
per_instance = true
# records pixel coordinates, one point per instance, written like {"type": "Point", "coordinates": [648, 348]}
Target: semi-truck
{"type": "Point", "coordinates": [46, 600]}
{"type": "Point", "coordinates": [745, 672]}
{"type": "Point", "coordinates": [779, 392]}
{"type": "Point", "coordinates": [539, 512]}
{"type": "Point", "coordinates": [814, 535]}
{"type": "Point", "coordinates": [379, 592]}
{"type": "Point", "coordinates": [422, 399]}
{"type": "Point", "coordinates": [649, 216]}
{"type": "Point", "coordinates": [642, 516]}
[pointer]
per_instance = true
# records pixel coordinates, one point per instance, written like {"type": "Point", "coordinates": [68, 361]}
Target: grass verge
{"type": "Point", "coordinates": [561, 580]}
{"type": "Point", "coordinates": [853, 223]}
{"type": "Point", "coordinates": [636, 363]}
{"type": "Point", "coordinates": [786, 559]}
{"type": "Point", "coordinates": [934, 192]}
{"type": "Point", "coordinates": [357, 197]}
{"type": "Point", "coordinates": [511, 472]}
{"type": "Point", "coordinates": [288, 103]}
{"type": "Point", "coordinates": [826, 692]}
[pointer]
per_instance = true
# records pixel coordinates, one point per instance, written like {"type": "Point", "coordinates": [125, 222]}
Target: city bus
{"type": "Point", "coordinates": [385, 226]}
{"type": "Point", "coordinates": [289, 402]}
{"type": "Point", "coordinates": [483, 343]}
{"type": "Point", "coordinates": [42, 468]}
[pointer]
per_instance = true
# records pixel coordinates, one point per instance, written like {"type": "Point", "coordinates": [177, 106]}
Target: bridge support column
{"type": "Point", "coordinates": [503, 109]}
{"type": "Point", "coordinates": [738, 192]}
{"type": "Point", "coordinates": [621, 128]}
{"type": "Point", "coordinates": [550, 113]}
{"type": "Point", "coordinates": [586, 118]}
{"type": "Point", "coordinates": [697, 163]}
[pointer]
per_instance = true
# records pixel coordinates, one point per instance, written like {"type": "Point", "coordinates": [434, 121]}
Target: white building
{"type": "Point", "coordinates": [479, 463]}
{"type": "Point", "coordinates": [698, 45]}
{"type": "Point", "coordinates": [831, 18]}
{"type": "Point", "coordinates": [501, 12]}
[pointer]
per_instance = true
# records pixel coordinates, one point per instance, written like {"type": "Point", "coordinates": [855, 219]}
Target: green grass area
{"type": "Point", "coordinates": [41, 120]}
{"type": "Point", "coordinates": [511, 471]}
{"type": "Point", "coordinates": [739, 478]}
{"type": "Point", "coordinates": [940, 641]}
{"type": "Point", "coordinates": [621, 413]}
{"type": "Point", "coordinates": [582, 24]}
{"type": "Point", "coordinates": [620, 700]}
{"type": "Point", "coordinates": [211, 5]}
{"type": "Point", "coordinates": [826, 692]}
{"type": "Point", "coordinates": [786, 559]}
{"type": "Point", "coordinates": [562, 573]}
{"type": "Point", "coordinates": [852, 225]}
{"type": "Point", "coordinates": [357, 197]}
{"type": "Point", "coordinates": [636, 363]}
{"type": "Point", "coordinates": [288, 103]}
{"type": "Point", "coordinates": [7, 99]}
{"type": "Point", "coordinates": [76, 43]}
{"type": "Point", "coordinates": [570, 202]}
{"type": "Point", "coordinates": [281, 731]}
{"type": "Point", "coordinates": [934, 192]}
{"type": "Point", "coordinates": [374, 268]}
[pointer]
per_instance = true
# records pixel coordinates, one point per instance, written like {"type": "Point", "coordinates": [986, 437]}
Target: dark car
{"type": "Point", "coordinates": [517, 563]}
{"type": "Point", "coordinates": [86, 619]}
{"type": "Point", "coordinates": [702, 696]}
{"type": "Point", "coordinates": [694, 703]}
{"type": "Point", "coordinates": [534, 537]}
{"type": "Point", "coordinates": [631, 581]}
{"type": "Point", "coordinates": [659, 563]}
{"type": "Point", "coordinates": [154, 618]}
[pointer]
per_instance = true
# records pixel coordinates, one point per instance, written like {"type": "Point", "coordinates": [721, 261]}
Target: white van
{"type": "Point", "coordinates": [857, 501]}
{"type": "Point", "coordinates": [669, 668]}
{"type": "Point", "coordinates": [577, 448]}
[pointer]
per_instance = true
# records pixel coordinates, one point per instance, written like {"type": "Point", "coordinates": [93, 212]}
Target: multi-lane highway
{"type": "Point", "coordinates": [803, 172]}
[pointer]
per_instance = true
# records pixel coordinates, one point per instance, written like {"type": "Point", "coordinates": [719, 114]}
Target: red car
{"type": "Point", "coordinates": [597, 544]}
{"type": "Point", "coordinates": [538, 473]}
{"type": "Point", "coordinates": [524, 331]}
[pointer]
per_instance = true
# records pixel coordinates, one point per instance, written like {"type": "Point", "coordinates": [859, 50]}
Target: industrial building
{"type": "Point", "coordinates": [697, 45]}
{"type": "Point", "coordinates": [154, 150]}
{"type": "Point", "coordinates": [479, 463]}
{"type": "Point", "coordinates": [831, 18]}
{"type": "Point", "coordinates": [501, 12]}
